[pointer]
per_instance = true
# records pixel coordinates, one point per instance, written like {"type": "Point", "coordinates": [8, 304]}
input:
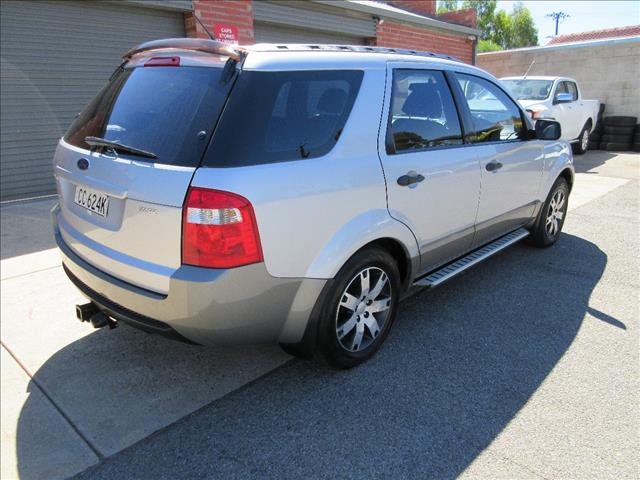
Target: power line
{"type": "Point", "coordinates": [558, 17]}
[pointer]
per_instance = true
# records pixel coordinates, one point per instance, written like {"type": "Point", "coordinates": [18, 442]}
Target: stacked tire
{"type": "Point", "coordinates": [618, 133]}
{"type": "Point", "coordinates": [596, 133]}
{"type": "Point", "coordinates": [636, 139]}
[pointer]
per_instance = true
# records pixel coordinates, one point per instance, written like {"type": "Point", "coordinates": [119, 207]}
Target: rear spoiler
{"type": "Point", "coordinates": [193, 44]}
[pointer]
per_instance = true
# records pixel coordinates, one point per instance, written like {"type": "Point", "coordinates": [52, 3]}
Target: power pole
{"type": "Point", "coordinates": [558, 17]}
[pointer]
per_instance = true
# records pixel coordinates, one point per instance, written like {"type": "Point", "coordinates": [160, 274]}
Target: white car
{"type": "Point", "coordinates": [560, 99]}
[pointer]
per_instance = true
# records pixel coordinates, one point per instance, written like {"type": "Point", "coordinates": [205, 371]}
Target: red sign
{"type": "Point", "coordinates": [226, 34]}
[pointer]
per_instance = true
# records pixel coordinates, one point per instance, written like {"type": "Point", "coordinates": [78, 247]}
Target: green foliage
{"type": "Point", "coordinates": [499, 28]}
{"type": "Point", "coordinates": [502, 30]}
{"type": "Point", "coordinates": [485, 10]}
{"type": "Point", "coordinates": [523, 30]}
{"type": "Point", "coordinates": [445, 6]}
{"type": "Point", "coordinates": [488, 46]}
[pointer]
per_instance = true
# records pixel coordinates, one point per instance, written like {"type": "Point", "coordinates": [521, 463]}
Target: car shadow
{"type": "Point", "coordinates": [591, 160]}
{"type": "Point", "coordinates": [460, 363]}
{"type": "Point", "coordinates": [26, 227]}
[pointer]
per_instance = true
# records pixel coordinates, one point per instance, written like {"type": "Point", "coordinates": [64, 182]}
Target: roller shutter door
{"type": "Point", "coordinates": [55, 57]}
{"type": "Point", "coordinates": [306, 22]}
{"type": "Point", "coordinates": [264, 32]}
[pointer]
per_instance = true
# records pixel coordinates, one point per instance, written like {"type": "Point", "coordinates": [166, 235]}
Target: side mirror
{"type": "Point", "coordinates": [548, 130]}
{"type": "Point", "coordinates": [563, 98]}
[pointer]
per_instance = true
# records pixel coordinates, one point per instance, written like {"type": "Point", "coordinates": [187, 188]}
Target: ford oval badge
{"type": "Point", "coordinates": [83, 164]}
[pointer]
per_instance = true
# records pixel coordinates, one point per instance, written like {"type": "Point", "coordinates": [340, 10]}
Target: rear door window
{"type": "Point", "coordinates": [169, 111]}
{"type": "Point", "coordinates": [281, 116]}
{"type": "Point", "coordinates": [423, 114]}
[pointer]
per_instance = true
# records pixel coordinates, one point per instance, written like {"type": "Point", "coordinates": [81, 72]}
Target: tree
{"type": "Point", "coordinates": [523, 29]}
{"type": "Point", "coordinates": [485, 11]}
{"type": "Point", "coordinates": [445, 6]}
{"type": "Point", "coordinates": [488, 46]}
{"type": "Point", "coordinates": [502, 30]}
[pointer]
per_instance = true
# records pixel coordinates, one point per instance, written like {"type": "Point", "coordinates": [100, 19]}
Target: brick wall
{"type": "Point", "coordinates": [609, 73]}
{"type": "Point", "coordinates": [212, 12]}
{"type": "Point", "coordinates": [389, 34]}
{"type": "Point", "coordinates": [421, 7]}
{"type": "Point", "coordinates": [465, 17]}
{"type": "Point", "coordinates": [398, 35]}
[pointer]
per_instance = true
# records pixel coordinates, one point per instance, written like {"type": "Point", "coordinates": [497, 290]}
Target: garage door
{"type": "Point", "coordinates": [307, 22]}
{"type": "Point", "coordinates": [55, 56]}
{"type": "Point", "coordinates": [280, 34]}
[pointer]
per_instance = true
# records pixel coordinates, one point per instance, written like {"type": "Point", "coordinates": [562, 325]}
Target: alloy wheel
{"type": "Point", "coordinates": [555, 213]}
{"type": "Point", "coordinates": [584, 140]}
{"type": "Point", "coordinates": [363, 309]}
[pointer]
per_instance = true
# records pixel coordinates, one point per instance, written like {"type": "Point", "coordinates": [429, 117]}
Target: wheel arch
{"type": "Point", "coordinates": [589, 123]}
{"type": "Point", "coordinates": [569, 176]}
{"type": "Point", "coordinates": [399, 253]}
{"type": "Point", "coordinates": [375, 227]}
{"type": "Point", "coordinates": [306, 345]}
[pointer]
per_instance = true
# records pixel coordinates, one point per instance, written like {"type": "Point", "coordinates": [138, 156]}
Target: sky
{"type": "Point", "coordinates": [584, 15]}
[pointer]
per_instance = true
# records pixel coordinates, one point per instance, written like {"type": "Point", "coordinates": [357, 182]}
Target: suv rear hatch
{"type": "Point", "coordinates": [125, 165]}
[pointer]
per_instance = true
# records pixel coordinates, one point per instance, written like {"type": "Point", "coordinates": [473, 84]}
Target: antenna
{"type": "Point", "coordinates": [202, 25]}
{"type": "Point", "coordinates": [528, 69]}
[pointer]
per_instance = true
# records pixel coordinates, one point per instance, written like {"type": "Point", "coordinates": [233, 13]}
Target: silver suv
{"type": "Point", "coordinates": [294, 193]}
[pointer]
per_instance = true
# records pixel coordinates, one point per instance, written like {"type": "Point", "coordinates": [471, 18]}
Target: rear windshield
{"type": "Point", "coordinates": [168, 111]}
{"type": "Point", "coordinates": [281, 116]}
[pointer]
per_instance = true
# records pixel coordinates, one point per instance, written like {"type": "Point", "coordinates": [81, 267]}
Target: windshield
{"type": "Point", "coordinates": [168, 111]}
{"type": "Point", "coordinates": [528, 89]}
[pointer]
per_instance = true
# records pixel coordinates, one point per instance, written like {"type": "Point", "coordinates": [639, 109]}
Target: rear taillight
{"type": "Point", "coordinates": [219, 230]}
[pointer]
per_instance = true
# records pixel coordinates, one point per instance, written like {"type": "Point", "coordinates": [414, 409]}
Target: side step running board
{"type": "Point", "coordinates": [452, 269]}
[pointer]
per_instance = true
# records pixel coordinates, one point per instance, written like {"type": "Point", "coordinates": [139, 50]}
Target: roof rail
{"type": "Point", "coordinates": [193, 44]}
{"type": "Point", "coordinates": [346, 48]}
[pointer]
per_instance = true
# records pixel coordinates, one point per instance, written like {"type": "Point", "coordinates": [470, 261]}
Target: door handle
{"type": "Point", "coordinates": [410, 178]}
{"type": "Point", "coordinates": [493, 166]}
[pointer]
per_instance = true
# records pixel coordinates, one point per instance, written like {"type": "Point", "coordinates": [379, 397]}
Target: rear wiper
{"type": "Point", "coordinates": [101, 142]}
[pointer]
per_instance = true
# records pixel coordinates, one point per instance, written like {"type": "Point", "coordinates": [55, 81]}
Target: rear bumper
{"type": "Point", "coordinates": [205, 306]}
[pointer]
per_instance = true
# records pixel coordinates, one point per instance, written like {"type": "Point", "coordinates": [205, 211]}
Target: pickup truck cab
{"type": "Point", "coordinates": [560, 99]}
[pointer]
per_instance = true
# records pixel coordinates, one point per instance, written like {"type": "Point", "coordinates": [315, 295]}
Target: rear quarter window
{"type": "Point", "coordinates": [282, 116]}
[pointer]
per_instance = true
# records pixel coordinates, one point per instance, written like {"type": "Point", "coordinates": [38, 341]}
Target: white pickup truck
{"type": "Point", "coordinates": [560, 99]}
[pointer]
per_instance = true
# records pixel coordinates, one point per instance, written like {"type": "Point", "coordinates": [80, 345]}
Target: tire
{"type": "Point", "coordinates": [546, 232]}
{"type": "Point", "coordinates": [635, 147]}
{"type": "Point", "coordinates": [580, 147]}
{"type": "Point", "coordinates": [620, 121]}
{"type": "Point", "coordinates": [616, 147]}
{"type": "Point", "coordinates": [610, 138]}
{"type": "Point", "coordinates": [619, 130]}
{"type": "Point", "coordinates": [593, 146]}
{"type": "Point", "coordinates": [346, 304]}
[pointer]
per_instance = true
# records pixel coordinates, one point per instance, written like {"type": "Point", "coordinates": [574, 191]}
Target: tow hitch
{"type": "Point", "coordinates": [89, 312]}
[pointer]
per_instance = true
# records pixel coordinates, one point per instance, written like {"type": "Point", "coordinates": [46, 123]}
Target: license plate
{"type": "Point", "coordinates": [92, 200]}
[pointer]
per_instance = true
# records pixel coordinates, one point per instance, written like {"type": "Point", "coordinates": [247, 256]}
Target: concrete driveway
{"type": "Point", "coordinates": [524, 367]}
